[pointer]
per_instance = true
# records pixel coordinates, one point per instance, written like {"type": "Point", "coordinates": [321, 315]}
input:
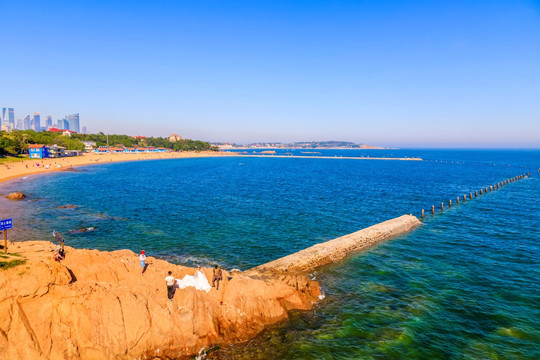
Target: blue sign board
{"type": "Point", "coordinates": [58, 236]}
{"type": "Point", "coordinates": [6, 224]}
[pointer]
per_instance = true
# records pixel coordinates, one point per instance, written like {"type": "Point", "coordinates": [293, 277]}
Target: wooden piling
{"type": "Point", "coordinates": [475, 193]}
{"type": "Point", "coordinates": [480, 191]}
{"type": "Point", "coordinates": [458, 200]}
{"type": "Point", "coordinates": [470, 195]}
{"type": "Point", "coordinates": [442, 207]}
{"type": "Point", "coordinates": [432, 209]}
{"type": "Point", "coordinates": [422, 214]}
{"type": "Point", "coordinates": [450, 203]}
{"type": "Point", "coordinates": [464, 197]}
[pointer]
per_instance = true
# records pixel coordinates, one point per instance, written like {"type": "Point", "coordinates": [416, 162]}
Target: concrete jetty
{"type": "Point", "coordinates": [334, 250]}
{"type": "Point", "coordinates": [330, 157]}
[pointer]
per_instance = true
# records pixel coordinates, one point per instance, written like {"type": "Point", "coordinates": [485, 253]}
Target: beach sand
{"type": "Point", "coordinates": [12, 170]}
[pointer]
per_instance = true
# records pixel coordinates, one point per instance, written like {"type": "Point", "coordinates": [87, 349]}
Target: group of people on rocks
{"type": "Point", "coordinates": [199, 280]}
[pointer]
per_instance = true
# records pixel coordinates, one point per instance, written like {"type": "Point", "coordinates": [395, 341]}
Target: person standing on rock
{"type": "Point", "coordinates": [142, 259]}
{"type": "Point", "coordinates": [218, 276]}
{"type": "Point", "coordinates": [169, 280]}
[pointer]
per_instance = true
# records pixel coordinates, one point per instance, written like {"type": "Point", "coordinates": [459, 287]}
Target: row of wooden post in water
{"type": "Point", "coordinates": [481, 192]}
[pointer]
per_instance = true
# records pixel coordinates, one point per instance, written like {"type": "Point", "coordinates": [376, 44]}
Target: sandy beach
{"type": "Point", "coordinates": [12, 170]}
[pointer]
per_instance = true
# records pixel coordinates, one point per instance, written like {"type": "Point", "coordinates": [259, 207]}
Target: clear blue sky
{"type": "Point", "coordinates": [394, 73]}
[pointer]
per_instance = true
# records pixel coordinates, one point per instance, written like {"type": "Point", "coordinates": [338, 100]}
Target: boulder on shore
{"type": "Point", "coordinates": [19, 195]}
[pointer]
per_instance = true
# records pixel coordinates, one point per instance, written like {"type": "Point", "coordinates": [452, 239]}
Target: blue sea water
{"type": "Point", "coordinates": [465, 285]}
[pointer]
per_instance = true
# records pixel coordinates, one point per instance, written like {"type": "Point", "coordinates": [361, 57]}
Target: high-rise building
{"type": "Point", "coordinates": [84, 129]}
{"type": "Point", "coordinates": [48, 122]}
{"type": "Point", "coordinates": [19, 125]}
{"type": "Point", "coordinates": [73, 121]}
{"type": "Point", "coordinates": [7, 121]}
{"type": "Point", "coordinates": [37, 122]}
{"type": "Point", "coordinates": [27, 123]}
{"type": "Point", "coordinates": [11, 118]}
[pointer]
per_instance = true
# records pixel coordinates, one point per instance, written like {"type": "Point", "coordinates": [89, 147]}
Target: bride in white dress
{"type": "Point", "coordinates": [198, 281]}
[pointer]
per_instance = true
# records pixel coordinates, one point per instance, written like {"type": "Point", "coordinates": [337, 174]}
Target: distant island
{"type": "Point", "coordinates": [299, 145]}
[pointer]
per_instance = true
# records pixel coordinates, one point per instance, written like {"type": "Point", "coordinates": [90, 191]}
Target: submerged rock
{"type": "Point", "coordinates": [70, 206]}
{"type": "Point", "coordinates": [19, 195]}
{"type": "Point", "coordinates": [78, 231]}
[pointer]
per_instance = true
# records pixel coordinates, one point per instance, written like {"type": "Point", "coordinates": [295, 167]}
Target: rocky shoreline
{"type": "Point", "coordinates": [98, 305]}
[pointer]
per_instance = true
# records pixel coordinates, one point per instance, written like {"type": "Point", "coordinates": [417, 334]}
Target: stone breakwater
{"type": "Point", "coordinates": [98, 305]}
{"type": "Point", "coordinates": [334, 250]}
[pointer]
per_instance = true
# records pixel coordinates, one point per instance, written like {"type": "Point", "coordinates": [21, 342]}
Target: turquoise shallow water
{"type": "Point", "coordinates": [463, 286]}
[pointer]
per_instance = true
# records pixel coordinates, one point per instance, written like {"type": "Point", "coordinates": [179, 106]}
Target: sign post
{"type": "Point", "coordinates": [5, 225]}
{"type": "Point", "coordinates": [58, 237]}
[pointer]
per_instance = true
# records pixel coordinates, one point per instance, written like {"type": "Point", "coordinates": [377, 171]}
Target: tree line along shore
{"type": "Point", "coordinates": [15, 143]}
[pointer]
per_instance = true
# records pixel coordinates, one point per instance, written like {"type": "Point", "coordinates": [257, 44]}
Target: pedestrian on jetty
{"type": "Point", "coordinates": [142, 259]}
{"type": "Point", "coordinates": [218, 276]}
{"type": "Point", "coordinates": [169, 280]}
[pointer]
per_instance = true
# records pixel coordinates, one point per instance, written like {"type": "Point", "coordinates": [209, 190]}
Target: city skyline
{"type": "Point", "coordinates": [407, 74]}
{"type": "Point", "coordinates": [33, 122]}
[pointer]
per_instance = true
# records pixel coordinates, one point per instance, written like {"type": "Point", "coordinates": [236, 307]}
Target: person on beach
{"type": "Point", "coordinates": [218, 276]}
{"type": "Point", "coordinates": [169, 280]}
{"type": "Point", "coordinates": [142, 259]}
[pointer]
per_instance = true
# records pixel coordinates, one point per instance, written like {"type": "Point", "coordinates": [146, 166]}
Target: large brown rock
{"type": "Point", "coordinates": [98, 305]}
{"type": "Point", "coordinates": [16, 196]}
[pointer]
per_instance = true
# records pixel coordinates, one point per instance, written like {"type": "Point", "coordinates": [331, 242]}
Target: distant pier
{"type": "Point", "coordinates": [330, 157]}
{"type": "Point", "coordinates": [335, 250]}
